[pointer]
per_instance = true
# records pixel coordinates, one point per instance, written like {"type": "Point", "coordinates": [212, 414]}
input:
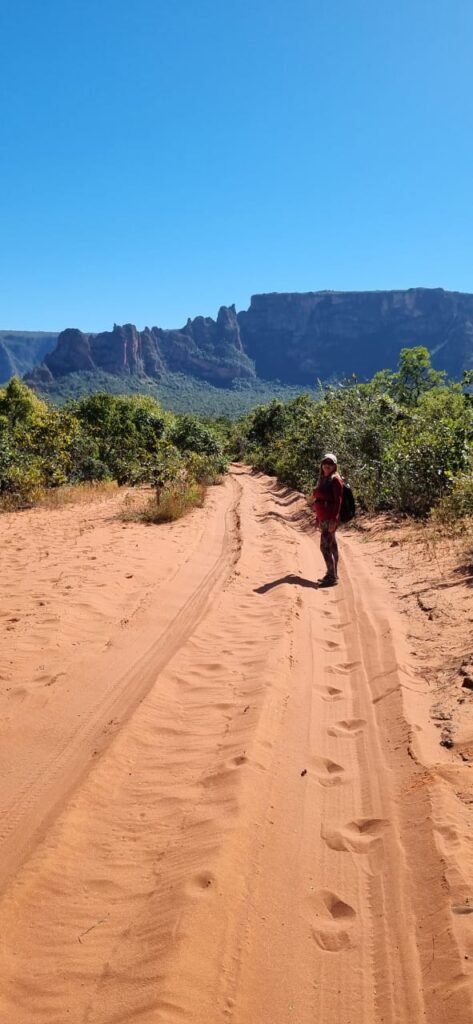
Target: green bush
{"type": "Point", "coordinates": [458, 502]}
{"type": "Point", "coordinates": [205, 469]}
{"type": "Point", "coordinates": [101, 437]}
{"type": "Point", "coordinates": [173, 502]}
{"type": "Point", "coordinates": [399, 439]}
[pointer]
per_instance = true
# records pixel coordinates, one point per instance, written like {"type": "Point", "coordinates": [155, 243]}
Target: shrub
{"type": "Point", "coordinates": [399, 439]}
{"type": "Point", "coordinates": [205, 469]}
{"type": "Point", "coordinates": [189, 434]}
{"type": "Point", "coordinates": [175, 500]}
{"type": "Point", "coordinates": [458, 502]}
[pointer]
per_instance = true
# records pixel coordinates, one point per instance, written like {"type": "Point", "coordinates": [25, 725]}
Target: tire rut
{"type": "Point", "coordinates": [35, 806]}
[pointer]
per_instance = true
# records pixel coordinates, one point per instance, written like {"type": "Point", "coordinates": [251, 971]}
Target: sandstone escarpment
{"type": "Point", "coordinates": [204, 348]}
{"type": "Point", "coordinates": [299, 337]}
{"type": "Point", "coordinates": [296, 338]}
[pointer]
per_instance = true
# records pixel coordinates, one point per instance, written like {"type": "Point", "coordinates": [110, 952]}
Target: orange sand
{"type": "Point", "coordinates": [222, 793]}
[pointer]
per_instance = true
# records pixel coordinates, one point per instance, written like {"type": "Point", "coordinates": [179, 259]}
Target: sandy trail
{"type": "Point", "coordinates": [219, 812]}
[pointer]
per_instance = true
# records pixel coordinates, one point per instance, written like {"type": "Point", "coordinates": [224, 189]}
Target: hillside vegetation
{"type": "Point", "coordinates": [178, 392]}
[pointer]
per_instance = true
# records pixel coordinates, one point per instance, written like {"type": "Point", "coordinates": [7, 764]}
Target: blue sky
{"type": "Point", "coordinates": [162, 157]}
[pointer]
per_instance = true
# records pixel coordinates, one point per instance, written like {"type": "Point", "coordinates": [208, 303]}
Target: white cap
{"type": "Point", "coordinates": [330, 456]}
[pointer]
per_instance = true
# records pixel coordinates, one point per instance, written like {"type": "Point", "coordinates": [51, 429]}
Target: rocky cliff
{"type": "Point", "coordinates": [204, 348]}
{"type": "Point", "coordinates": [295, 338]}
{"type": "Point", "coordinates": [300, 337]}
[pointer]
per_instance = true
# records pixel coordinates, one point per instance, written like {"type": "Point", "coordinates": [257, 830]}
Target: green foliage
{"type": "Point", "coordinates": [457, 503]}
{"type": "Point", "coordinates": [401, 440]}
{"type": "Point", "coordinates": [34, 444]}
{"type": "Point", "coordinates": [102, 437]}
{"type": "Point", "coordinates": [122, 433]}
{"type": "Point", "coordinates": [174, 502]}
{"type": "Point", "coordinates": [415, 376]}
{"type": "Point", "coordinates": [19, 405]}
{"type": "Point", "coordinates": [174, 391]}
{"type": "Point", "coordinates": [191, 435]}
{"type": "Point", "coordinates": [204, 469]}
{"type": "Point", "coordinates": [164, 465]}
{"type": "Point", "coordinates": [404, 441]}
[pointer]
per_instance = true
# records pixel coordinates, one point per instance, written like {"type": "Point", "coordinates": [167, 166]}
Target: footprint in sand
{"type": "Point", "coordinates": [344, 668]}
{"type": "Point", "coordinates": [347, 727]}
{"type": "Point", "coordinates": [332, 920]}
{"type": "Point", "coordinates": [362, 836]}
{"type": "Point", "coordinates": [327, 772]}
{"type": "Point", "coordinates": [330, 693]}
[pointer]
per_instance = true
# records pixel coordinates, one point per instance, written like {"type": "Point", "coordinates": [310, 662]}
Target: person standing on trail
{"type": "Point", "coordinates": [327, 502]}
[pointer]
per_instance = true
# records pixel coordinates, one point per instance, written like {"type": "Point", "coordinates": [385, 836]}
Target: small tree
{"type": "Point", "coordinates": [189, 434]}
{"type": "Point", "coordinates": [415, 375]}
{"type": "Point", "coordinates": [20, 405]}
{"type": "Point", "coordinates": [165, 466]}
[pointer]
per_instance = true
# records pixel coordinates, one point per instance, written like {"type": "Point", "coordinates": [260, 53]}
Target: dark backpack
{"type": "Point", "coordinates": [348, 506]}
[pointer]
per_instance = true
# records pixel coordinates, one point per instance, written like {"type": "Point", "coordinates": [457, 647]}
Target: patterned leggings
{"type": "Point", "coordinates": [329, 549]}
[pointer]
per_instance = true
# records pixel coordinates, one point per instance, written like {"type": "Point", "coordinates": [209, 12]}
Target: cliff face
{"type": "Point", "coordinates": [295, 338]}
{"type": "Point", "coordinates": [299, 338]}
{"type": "Point", "coordinates": [205, 348]}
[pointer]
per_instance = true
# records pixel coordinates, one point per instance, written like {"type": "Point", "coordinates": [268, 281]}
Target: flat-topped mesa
{"type": "Point", "coordinates": [298, 337]}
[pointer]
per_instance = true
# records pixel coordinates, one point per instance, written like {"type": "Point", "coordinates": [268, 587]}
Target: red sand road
{"type": "Point", "coordinates": [218, 798]}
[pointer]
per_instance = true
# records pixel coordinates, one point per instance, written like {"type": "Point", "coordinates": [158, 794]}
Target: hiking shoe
{"type": "Point", "coordinates": [329, 581]}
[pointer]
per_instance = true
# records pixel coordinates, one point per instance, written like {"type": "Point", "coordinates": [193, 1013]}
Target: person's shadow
{"type": "Point", "coordinates": [292, 578]}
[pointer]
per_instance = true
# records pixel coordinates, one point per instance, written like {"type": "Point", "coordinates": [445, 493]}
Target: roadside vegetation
{"type": "Point", "coordinates": [88, 446]}
{"type": "Point", "coordinates": [404, 440]}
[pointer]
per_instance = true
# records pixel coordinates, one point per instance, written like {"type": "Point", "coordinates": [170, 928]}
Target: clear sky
{"type": "Point", "coordinates": [160, 158]}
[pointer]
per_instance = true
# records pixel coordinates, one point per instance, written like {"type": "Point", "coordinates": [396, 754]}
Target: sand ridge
{"type": "Point", "coordinates": [244, 831]}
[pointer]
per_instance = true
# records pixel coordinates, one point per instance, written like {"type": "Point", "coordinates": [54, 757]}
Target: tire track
{"type": "Point", "coordinates": [411, 909]}
{"type": "Point", "coordinates": [256, 844]}
{"type": "Point", "coordinates": [35, 805]}
{"type": "Point", "coordinates": [344, 904]}
{"type": "Point", "coordinates": [119, 879]}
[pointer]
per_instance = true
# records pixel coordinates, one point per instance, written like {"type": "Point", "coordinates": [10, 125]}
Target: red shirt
{"type": "Point", "coordinates": [327, 498]}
